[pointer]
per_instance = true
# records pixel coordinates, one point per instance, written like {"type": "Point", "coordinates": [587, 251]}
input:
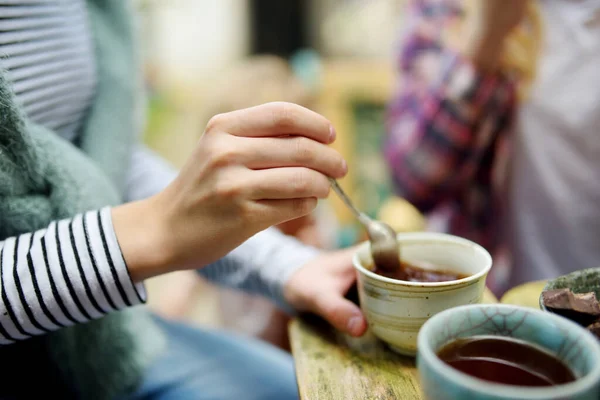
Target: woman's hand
{"type": "Point", "coordinates": [320, 287]}
{"type": "Point", "coordinates": [488, 23]}
{"type": "Point", "coordinates": [251, 169]}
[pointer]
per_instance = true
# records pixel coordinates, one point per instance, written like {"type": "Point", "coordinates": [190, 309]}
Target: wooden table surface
{"type": "Point", "coordinates": [332, 366]}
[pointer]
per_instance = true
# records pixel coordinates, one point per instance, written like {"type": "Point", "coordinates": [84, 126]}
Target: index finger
{"type": "Point", "coordinates": [278, 119]}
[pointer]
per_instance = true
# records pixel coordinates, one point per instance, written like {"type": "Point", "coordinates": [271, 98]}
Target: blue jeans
{"type": "Point", "coordinates": [213, 365]}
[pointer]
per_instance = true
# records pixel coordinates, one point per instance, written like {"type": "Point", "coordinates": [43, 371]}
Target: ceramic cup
{"type": "Point", "coordinates": [396, 310]}
{"type": "Point", "coordinates": [573, 345]}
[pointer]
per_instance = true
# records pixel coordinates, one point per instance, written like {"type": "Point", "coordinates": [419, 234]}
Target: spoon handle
{"type": "Point", "coordinates": [362, 217]}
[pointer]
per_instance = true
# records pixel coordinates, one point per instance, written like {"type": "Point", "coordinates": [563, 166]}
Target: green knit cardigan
{"type": "Point", "coordinates": [45, 178]}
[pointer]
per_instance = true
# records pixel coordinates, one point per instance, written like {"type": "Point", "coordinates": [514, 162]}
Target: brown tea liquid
{"type": "Point", "coordinates": [505, 360]}
{"type": "Point", "coordinates": [421, 274]}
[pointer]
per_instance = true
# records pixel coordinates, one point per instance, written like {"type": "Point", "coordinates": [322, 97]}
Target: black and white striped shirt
{"type": "Point", "coordinates": [47, 51]}
{"type": "Point", "coordinates": [73, 271]}
{"type": "Point", "coordinates": [69, 273]}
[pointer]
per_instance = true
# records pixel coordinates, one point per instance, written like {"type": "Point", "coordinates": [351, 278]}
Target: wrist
{"type": "Point", "coordinates": [278, 258]}
{"type": "Point", "coordinates": [293, 294]}
{"type": "Point", "coordinates": [484, 48]}
{"type": "Point", "coordinates": [143, 240]}
{"type": "Point", "coordinates": [292, 297]}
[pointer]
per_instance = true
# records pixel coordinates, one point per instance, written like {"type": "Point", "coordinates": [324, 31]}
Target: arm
{"type": "Point", "coordinates": [272, 264]}
{"type": "Point", "coordinates": [448, 108]}
{"type": "Point", "coordinates": [261, 265]}
{"type": "Point", "coordinates": [69, 273]}
{"type": "Point", "coordinates": [76, 269]}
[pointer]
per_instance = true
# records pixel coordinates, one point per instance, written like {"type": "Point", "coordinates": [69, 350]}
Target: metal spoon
{"type": "Point", "coordinates": [384, 244]}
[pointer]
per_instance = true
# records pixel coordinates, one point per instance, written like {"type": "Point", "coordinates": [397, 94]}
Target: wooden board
{"type": "Point", "coordinates": [332, 366]}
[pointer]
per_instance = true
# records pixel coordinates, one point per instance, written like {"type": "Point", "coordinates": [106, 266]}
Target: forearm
{"type": "Point", "coordinates": [262, 265]}
{"type": "Point", "coordinates": [487, 27]}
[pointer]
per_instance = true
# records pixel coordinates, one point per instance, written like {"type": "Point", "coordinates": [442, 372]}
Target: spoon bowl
{"type": "Point", "coordinates": [384, 246]}
{"type": "Point", "coordinates": [384, 242]}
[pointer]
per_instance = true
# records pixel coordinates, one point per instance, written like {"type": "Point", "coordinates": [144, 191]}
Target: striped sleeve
{"type": "Point", "coordinates": [68, 273]}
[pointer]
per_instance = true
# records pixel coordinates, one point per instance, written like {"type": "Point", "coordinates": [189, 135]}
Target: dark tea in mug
{"type": "Point", "coordinates": [505, 360]}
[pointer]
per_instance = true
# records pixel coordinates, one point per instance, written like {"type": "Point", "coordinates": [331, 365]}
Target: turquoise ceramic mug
{"type": "Point", "coordinates": [570, 343]}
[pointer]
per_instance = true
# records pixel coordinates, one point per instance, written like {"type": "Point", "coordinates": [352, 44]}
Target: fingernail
{"type": "Point", "coordinates": [354, 324]}
{"type": "Point", "coordinates": [332, 134]}
{"type": "Point", "coordinates": [344, 167]}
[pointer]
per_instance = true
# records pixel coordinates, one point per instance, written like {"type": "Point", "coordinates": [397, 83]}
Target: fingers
{"type": "Point", "coordinates": [274, 119]}
{"type": "Point", "coordinates": [273, 212]}
{"type": "Point", "coordinates": [341, 313]}
{"type": "Point", "coordinates": [287, 183]}
{"type": "Point", "coordinates": [293, 152]}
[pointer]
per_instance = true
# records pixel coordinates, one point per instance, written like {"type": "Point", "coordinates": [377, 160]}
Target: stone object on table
{"type": "Point", "coordinates": [582, 308]}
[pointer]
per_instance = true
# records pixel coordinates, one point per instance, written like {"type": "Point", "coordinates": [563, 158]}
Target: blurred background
{"type": "Point", "coordinates": [203, 57]}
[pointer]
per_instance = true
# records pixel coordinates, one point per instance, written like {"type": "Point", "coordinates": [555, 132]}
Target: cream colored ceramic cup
{"type": "Point", "coordinates": [396, 310]}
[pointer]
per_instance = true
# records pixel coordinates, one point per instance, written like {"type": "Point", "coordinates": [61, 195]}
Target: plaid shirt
{"type": "Point", "coordinates": [448, 126]}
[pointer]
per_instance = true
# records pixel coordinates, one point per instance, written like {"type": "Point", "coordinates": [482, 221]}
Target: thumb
{"type": "Point", "coordinates": [344, 315]}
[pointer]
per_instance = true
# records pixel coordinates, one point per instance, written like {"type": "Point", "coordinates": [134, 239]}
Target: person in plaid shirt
{"type": "Point", "coordinates": [500, 133]}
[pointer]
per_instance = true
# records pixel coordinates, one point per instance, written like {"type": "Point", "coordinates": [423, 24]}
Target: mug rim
{"type": "Point", "coordinates": [433, 236]}
{"type": "Point", "coordinates": [425, 351]}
